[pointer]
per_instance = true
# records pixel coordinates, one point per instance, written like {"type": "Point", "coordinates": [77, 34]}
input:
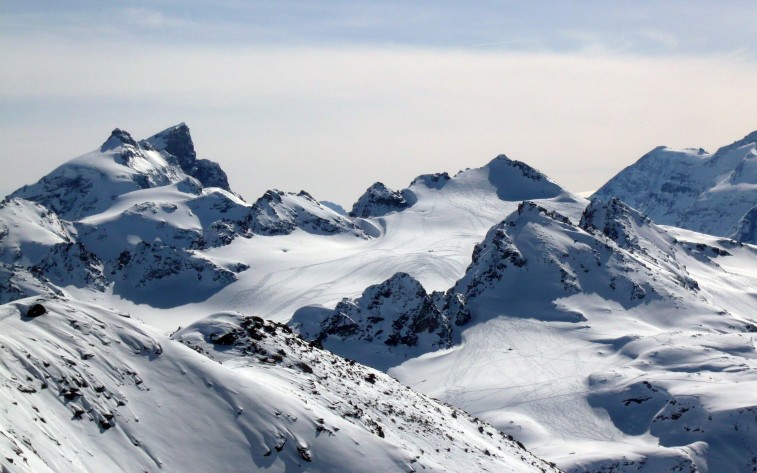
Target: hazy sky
{"type": "Point", "coordinates": [332, 96]}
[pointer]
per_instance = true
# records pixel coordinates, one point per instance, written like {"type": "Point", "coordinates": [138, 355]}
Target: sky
{"type": "Point", "coordinates": [331, 96]}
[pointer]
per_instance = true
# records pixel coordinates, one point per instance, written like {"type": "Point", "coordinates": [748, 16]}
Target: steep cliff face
{"type": "Point", "coordinates": [175, 143]}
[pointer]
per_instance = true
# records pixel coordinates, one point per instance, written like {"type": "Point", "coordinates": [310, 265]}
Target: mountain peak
{"type": "Point", "coordinates": [393, 319]}
{"type": "Point", "coordinates": [516, 180]}
{"type": "Point", "coordinates": [690, 188]}
{"type": "Point", "coordinates": [614, 219]}
{"type": "Point", "coordinates": [281, 213]}
{"type": "Point", "coordinates": [177, 141]}
{"type": "Point", "coordinates": [117, 138]}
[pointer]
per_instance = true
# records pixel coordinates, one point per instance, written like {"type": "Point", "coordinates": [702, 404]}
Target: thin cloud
{"type": "Point", "coordinates": [501, 43]}
{"type": "Point", "coordinates": [149, 18]}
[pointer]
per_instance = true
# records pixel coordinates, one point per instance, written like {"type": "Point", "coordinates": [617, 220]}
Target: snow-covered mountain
{"type": "Point", "coordinates": [594, 332]}
{"type": "Point", "coordinates": [600, 339]}
{"type": "Point", "coordinates": [148, 227]}
{"type": "Point", "coordinates": [89, 184]}
{"type": "Point", "coordinates": [690, 188]}
{"type": "Point", "coordinates": [536, 257]}
{"type": "Point", "coordinates": [143, 214]}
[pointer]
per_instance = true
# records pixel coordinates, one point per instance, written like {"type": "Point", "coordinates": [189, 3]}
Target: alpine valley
{"type": "Point", "coordinates": [152, 319]}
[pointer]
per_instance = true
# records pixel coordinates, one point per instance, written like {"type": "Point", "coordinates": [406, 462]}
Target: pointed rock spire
{"type": "Point", "coordinates": [177, 142]}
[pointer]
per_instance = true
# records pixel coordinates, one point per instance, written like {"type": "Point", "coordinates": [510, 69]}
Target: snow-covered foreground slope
{"type": "Point", "coordinates": [84, 388]}
{"type": "Point", "coordinates": [690, 188]}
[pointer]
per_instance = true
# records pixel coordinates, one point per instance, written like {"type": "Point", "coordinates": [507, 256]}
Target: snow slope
{"type": "Point", "coordinates": [691, 188]}
{"type": "Point", "coordinates": [85, 388]}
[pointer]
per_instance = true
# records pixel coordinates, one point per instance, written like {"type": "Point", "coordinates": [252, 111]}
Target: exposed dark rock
{"type": "Point", "coordinates": [378, 200]}
{"type": "Point", "coordinates": [71, 264]}
{"type": "Point", "coordinates": [35, 310]}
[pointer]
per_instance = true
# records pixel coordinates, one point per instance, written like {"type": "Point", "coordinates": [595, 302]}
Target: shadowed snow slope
{"type": "Point", "coordinates": [746, 230]}
{"type": "Point", "coordinates": [85, 388]}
